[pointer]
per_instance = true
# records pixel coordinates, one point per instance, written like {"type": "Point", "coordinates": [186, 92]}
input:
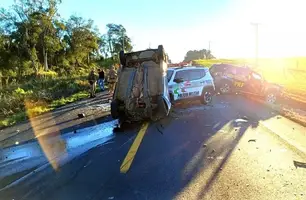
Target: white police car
{"type": "Point", "coordinates": [190, 82]}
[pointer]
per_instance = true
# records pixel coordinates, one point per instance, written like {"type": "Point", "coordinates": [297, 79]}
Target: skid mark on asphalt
{"type": "Point", "coordinates": [127, 162]}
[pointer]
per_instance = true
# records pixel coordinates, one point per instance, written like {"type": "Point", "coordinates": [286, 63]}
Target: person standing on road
{"type": "Point", "coordinates": [112, 79]}
{"type": "Point", "coordinates": [101, 79]}
{"type": "Point", "coordinates": [92, 83]}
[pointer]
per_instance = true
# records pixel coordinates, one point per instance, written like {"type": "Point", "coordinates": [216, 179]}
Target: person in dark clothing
{"type": "Point", "coordinates": [101, 79]}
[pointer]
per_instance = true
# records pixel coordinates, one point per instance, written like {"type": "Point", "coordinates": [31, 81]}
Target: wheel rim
{"type": "Point", "coordinates": [225, 88]}
{"type": "Point", "coordinates": [271, 98]}
{"type": "Point", "coordinates": [207, 97]}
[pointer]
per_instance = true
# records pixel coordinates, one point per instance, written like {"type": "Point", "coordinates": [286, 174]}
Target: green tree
{"type": "Point", "coordinates": [34, 37]}
{"type": "Point", "coordinates": [117, 39]}
{"type": "Point", "coordinates": [29, 23]}
{"type": "Point", "coordinates": [45, 19]}
{"type": "Point", "coordinates": [82, 39]}
{"type": "Point", "coordinates": [16, 24]}
{"type": "Point", "coordinates": [103, 46]}
{"type": "Point", "coordinates": [198, 54]}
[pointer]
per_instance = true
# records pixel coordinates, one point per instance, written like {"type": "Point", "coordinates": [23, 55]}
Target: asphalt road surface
{"type": "Point", "coordinates": [219, 151]}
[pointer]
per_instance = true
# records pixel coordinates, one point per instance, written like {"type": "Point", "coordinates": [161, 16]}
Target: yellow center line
{"type": "Point", "coordinates": [127, 162]}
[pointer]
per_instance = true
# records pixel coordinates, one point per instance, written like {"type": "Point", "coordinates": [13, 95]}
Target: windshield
{"type": "Point", "coordinates": [86, 112]}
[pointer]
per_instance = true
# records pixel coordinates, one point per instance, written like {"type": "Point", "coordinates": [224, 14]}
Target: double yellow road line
{"type": "Point", "coordinates": [127, 162]}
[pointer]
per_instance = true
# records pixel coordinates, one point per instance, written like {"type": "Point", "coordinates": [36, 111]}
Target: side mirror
{"type": "Point", "coordinates": [178, 80]}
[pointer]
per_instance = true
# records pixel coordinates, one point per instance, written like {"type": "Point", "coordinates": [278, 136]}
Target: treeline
{"type": "Point", "coordinates": [198, 54]}
{"type": "Point", "coordinates": [35, 40]}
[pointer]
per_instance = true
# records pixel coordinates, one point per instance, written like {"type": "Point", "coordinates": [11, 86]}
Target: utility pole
{"type": "Point", "coordinates": [256, 42]}
{"type": "Point", "coordinates": [208, 56]}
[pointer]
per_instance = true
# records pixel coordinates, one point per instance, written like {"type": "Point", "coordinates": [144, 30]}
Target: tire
{"type": "Point", "coordinates": [271, 97]}
{"type": "Point", "coordinates": [115, 109]}
{"type": "Point", "coordinates": [122, 58]}
{"type": "Point", "coordinates": [206, 97]}
{"type": "Point", "coordinates": [225, 87]}
{"type": "Point", "coordinates": [161, 52]}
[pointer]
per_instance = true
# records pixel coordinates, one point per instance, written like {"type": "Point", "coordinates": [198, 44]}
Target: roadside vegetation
{"type": "Point", "coordinates": [17, 102]}
{"type": "Point", "coordinates": [45, 59]}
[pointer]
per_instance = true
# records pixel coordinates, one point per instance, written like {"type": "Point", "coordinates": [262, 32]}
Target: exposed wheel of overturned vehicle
{"type": "Point", "coordinates": [207, 96]}
{"type": "Point", "coordinates": [122, 58]}
{"type": "Point", "coordinates": [117, 114]}
{"type": "Point", "coordinates": [115, 109]}
{"type": "Point", "coordinates": [225, 87]}
{"type": "Point", "coordinates": [122, 125]}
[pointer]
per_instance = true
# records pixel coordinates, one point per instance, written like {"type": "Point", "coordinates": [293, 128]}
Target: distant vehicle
{"type": "Point", "coordinates": [230, 78]}
{"type": "Point", "coordinates": [190, 82]}
{"type": "Point", "coordinates": [141, 91]}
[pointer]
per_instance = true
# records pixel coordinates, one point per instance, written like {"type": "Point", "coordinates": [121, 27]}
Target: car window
{"type": "Point", "coordinates": [213, 68]}
{"type": "Point", "coordinates": [217, 68]}
{"type": "Point", "coordinates": [169, 74]}
{"type": "Point", "coordinates": [182, 75]}
{"type": "Point", "coordinates": [196, 74]}
{"type": "Point", "coordinates": [256, 76]}
{"type": "Point", "coordinates": [191, 74]}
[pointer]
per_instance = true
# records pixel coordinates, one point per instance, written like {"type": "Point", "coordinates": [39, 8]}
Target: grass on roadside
{"type": "Point", "coordinates": [72, 98]}
{"type": "Point", "coordinates": [40, 109]}
{"type": "Point", "coordinates": [18, 117]}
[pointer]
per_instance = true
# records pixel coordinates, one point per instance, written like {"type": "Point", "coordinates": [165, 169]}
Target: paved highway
{"type": "Point", "coordinates": [226, 150]}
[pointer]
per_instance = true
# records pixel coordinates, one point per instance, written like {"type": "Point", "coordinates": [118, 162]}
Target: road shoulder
{"type": "Point", "coordinates": [62, 120]}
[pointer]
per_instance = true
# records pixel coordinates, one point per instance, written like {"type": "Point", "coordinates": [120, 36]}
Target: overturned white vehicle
{"type": "Point", "coordinates": [141, 92]}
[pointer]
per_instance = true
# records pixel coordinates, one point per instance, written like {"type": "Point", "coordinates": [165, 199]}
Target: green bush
{"type": "Point", "coordinates": [13, 119]}
{"type": "Point", "coordinates": [48, 74]}
{"type": "Point", "coordinates": [50, 91]}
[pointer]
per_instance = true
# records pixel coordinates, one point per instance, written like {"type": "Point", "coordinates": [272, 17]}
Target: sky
{"type": "Point", "coordinates": [182, 25]}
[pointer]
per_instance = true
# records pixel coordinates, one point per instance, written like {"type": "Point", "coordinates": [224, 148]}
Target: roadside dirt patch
{"type": "Point", "coordinates": [288, 108]}
{"type": "Point", "coordinates": [296, 115]}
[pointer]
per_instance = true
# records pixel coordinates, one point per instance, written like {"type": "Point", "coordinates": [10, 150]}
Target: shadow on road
{"type": "Point", "coordinates": [223, 144]}
{"type": "Point", "coordinates": [198, 140]}
{"type": "Point", "coordinates": [190, 146]}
